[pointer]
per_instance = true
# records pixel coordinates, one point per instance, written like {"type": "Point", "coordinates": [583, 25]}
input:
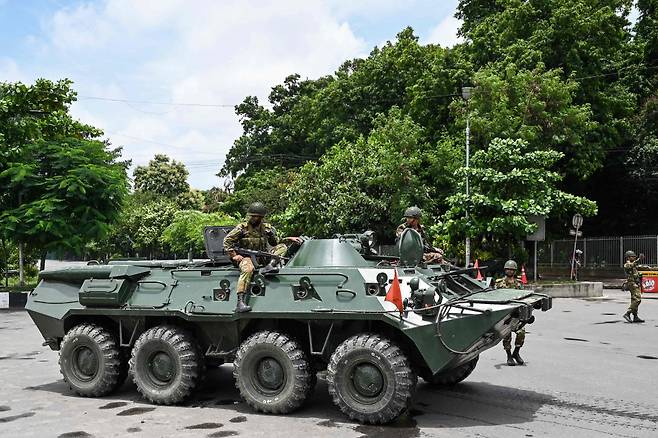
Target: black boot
{"type": "Point", "coordinates": [637, 318]}
{"type": "Point", "coordinates": [516, 356]}
{"type": "Point", "coordinates": [270, 268]}
{"type": "Point", "coordinates": [510, 359]}
{"type": "Point", "coordinates": [242, 306]}
{"type": "Point", "coordinates": [627, 317]}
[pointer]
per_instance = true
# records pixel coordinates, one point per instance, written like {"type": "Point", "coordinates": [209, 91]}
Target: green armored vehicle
{"type": "Point", "coordinates": [325, 309]}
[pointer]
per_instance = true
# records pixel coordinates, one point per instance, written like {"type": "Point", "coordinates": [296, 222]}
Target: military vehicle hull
{"type": "Point", "coordinates": [326, 309]}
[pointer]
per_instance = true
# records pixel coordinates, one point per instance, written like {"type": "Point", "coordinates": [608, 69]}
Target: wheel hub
{"type": "Point", "coordinates": [86, 363]}
{"type": "Point", "coordinates": [368, 380]}
{"type": "Point", "coordinates": [270, 373]}
{"type": "Point", "coordinates": [162, 366]}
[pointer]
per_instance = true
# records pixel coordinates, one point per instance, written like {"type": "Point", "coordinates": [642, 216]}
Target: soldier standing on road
{"type": "Point", "coordinates": [253, 234]}
{"type": "Point", "coordinates": [412, 220]}
{"type": "Point", "coordinates": [509, 281]}
{"type": "Point", "coordinates": [633, 280]}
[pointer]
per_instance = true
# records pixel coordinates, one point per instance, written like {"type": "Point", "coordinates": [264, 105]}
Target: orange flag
{"type": "Point", "coordinates": [524, 279]}
{"type": "Point", "coordinates": [394, 294]}
{"type": "Point", "coordinates": [477, 267]}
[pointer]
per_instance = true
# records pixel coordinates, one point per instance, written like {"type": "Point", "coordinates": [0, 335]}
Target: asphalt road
{"type": "Point", "coordinates": [588, 374]}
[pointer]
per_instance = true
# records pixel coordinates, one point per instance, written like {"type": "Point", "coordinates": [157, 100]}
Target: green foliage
{"type": "Point", "coordinates": [509, 181]}
{"type": "Point", "coordinates": [369, 183]}
{"type": "Point", "coordinates": [537, 107]}
{"type": "Point", "coordinates": [140, 226]}
{"type": "Point", "coordinates": [266, 186]}
{"type": "Point", "coordinates": [61, 186]}
{"type": "Point", "coordinates": [213, 199]}
{"type": "Point", "coordinates": [191, 200]}
{"type": "Point", "coordinates": [162, 176]}
{"type": "Point", "coordinates": [186, 230]}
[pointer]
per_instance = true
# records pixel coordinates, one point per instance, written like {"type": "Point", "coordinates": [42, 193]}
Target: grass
{"type": "Point", "coordinates": [13, 286]}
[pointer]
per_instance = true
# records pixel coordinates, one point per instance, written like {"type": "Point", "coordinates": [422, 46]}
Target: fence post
{"type": "Point", "coordinates": [584, 252]}
{"type": "Point", "coordinates": [621, 251]}
{"type": "Point", "coordinates": [551, 245]}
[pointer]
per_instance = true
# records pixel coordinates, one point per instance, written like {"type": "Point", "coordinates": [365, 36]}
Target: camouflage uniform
{"type": "Point", "coordinates": [430, 254]}
{"type": "Point", "coordinates": [633, 279]}
{"type": "Point", "coordinates": [246, 236]}
{"type": "Point", "coordinates": [513, 283]}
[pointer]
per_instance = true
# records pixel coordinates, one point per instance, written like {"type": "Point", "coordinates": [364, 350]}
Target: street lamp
{"type": "Point", "coordinates": [466, 94]}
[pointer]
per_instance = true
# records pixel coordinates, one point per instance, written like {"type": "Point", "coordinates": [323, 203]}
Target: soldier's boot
{"type": "Point", "coordinates": [242, 306]}
{"type": "Point", "coordinates": [517, 357]}
{"type": "Point", "coordinates": [637, 318]}
{"type": "Point", "coordinates": [627, 317]}
{"type": "Point", "coordinates": [510, 358]}
{"type": "Point", "coordinates": [271, 268]}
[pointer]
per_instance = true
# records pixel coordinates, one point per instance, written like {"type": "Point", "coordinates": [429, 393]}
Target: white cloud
{"type": "Point", "coordinates": [214, 52]}
{"type": "Point", "coordinates": [9, 70]}
{"type": "Point", "coordinates": [445, 33]}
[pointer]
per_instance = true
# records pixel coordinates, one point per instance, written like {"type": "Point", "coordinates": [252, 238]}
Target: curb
{"type": "Point", "coordinates": [13, 300]}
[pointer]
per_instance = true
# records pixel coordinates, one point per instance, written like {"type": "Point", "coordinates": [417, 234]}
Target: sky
{"type": "Point", "coordinates": [163, 76]}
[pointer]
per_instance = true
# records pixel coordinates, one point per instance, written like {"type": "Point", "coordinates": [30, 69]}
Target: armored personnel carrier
{"type": "Point", "coordinates": [325, 309]}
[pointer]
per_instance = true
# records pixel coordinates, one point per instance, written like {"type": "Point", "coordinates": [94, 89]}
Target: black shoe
{"type": "Point", "coordinates": [637, 318]}
{"type": "Point", "coordinates": [270, 268]}
{"type": "Point", "coordinates": [516, 356]}
{"type": "Point", "coordinates": [627, 317]}
{"type": "Point", "coordinates": [510, 359]}
{"type": "Point", "coordinates": [242, 306]}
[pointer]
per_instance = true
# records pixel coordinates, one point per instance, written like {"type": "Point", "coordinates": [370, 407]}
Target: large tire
{"type": "Point", "coordinates": [166, 365]}
{"type": "Point", "coordinates": [272, 373]}
{"type": "Point", "coordinates": [90, 360]}
{"type": "Point", "coordinates": [370, 379]}
{"type": "Point", "coordinates": [452, 376]}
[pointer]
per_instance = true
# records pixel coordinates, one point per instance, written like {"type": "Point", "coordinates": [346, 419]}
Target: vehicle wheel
{"type": "Point", "coordinates": [272, 373]}
{"type": "Point", "coordinates": [452, 376]}
{"type": "Point", "coordinates": [370, 379]}
{"type": "Point", "coordinates": [90, 360]}
{"type": "Point", "coordinates": [165, 364]}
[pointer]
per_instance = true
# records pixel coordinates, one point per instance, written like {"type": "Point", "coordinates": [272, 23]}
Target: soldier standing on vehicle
{"type": "Point", "coordinates": [253, 234]}
{"type": "Point", "coordinates": [633, 279]}
{"type": "Point", "coordinates": [412, 220]}
{"type": "Point", "coordinates": [509, 281]}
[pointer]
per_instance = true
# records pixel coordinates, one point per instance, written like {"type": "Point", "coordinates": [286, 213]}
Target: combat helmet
{"type": "Point", "coordinates": [256, 209]}
{"type": "Point", "coordinates": [511, 264]}
{"type": "Point", "coordinates": [413, 212]}
{"type": "Point", "coordinates": [628, 254]}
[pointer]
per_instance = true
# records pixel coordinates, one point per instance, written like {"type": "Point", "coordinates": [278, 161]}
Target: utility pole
{"type": "Point", "coordinates": [466, 94]}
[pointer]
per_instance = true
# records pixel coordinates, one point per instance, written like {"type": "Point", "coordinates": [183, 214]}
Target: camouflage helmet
{"type": "Point", "coordinates": [413, 212]}
{"type": "Point", "coordinates": [256, 209]}
{"type": "Point", "coordinates": [628, 254]}
{"type": "Point", "coordinates": [510, 264]}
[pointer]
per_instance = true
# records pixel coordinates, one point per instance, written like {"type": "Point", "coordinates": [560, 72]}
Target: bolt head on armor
{"type": "Point", "coordinates": [256, 209]}
{"type": "Point", "coordinates": [413, 212]}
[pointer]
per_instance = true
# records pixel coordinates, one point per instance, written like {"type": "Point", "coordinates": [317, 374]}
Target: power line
{"type": "Point", "coordinates": [151, 102]}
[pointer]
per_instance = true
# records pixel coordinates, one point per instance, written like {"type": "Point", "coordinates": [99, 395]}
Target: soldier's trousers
{"type": "Point", "coordinates": [247, 268]}
{"type": "Point", "coordinates": [518, 342]}
{"type": "Point", "coordinates": [636, 297]}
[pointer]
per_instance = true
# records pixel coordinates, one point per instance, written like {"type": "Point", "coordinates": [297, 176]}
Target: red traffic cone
{"type": "Point", "coordinates": [524, 279]}
{"type": "Point", "coordinates": [394, 294]}
{"type": "Point", "coordinates": [477, 268]}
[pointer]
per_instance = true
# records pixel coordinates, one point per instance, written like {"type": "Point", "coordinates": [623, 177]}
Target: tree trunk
{"type": "Point", "coordinates": [21, 270]}
{"type": "Point", "coordinates": [42, 263]}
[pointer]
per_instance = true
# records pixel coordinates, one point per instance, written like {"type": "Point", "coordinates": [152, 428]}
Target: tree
{"type": "Point", "coordinates": [62, 186]}
{"type": "Point", "coordinates": [266, 186]}
{"type": "Point", "coordinates": [186, 230]}
{"type": "Point", "coordinates": [509, 181]}
{"type": "Point", "coordinates": [162, 176]}
{"type": "Point", "coordinates": [536, 106]}
{"type": "Point", "coordinates": [367, 184]}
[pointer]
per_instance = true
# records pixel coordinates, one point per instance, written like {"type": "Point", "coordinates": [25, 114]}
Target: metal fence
{"type": "Point", "coordinates": [598, 251]}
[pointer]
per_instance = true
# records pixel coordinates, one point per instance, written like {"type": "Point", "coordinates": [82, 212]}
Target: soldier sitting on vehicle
{"type": "Point", "coordinates": [253, 234]}
{"type": "Point", "coordinates": [412, 220]}
{"type": "Point", "coordinates": [509, 281]}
